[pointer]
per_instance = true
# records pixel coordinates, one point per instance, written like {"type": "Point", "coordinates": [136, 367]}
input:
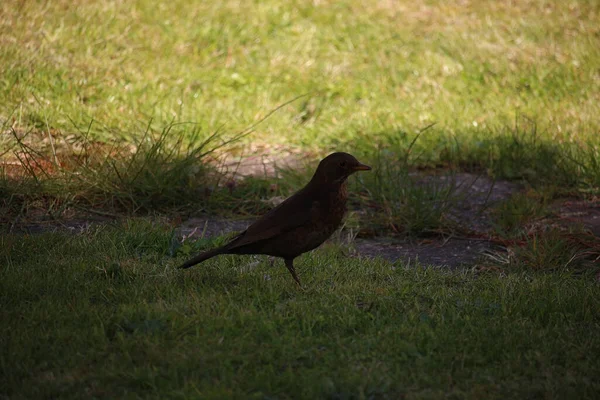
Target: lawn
{"type": "Point", "coordinates": [371, 69]}
{"type": "Point", "coordinates": [132, 112]}
{"type": "Point", "coordinates": [104, 315]}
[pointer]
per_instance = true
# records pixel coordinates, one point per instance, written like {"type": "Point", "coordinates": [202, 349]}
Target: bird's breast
{"type": "Point", "coordinates": [333, 210]}
{"type": "Point", "coordinates": [337, 203]}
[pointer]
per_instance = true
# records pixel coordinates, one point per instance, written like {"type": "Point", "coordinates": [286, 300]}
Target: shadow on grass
{"type": "Point", "coordinates": [413, 189]}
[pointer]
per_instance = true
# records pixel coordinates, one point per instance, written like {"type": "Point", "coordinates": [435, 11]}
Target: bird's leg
{"type": "Point", "coordinates": [289, 263]}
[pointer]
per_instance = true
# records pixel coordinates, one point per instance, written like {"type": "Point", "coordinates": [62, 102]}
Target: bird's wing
{"type": "Point", "coordinates": [293, 212]}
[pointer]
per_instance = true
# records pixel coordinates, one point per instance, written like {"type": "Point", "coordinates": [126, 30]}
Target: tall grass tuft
{"type": "Point", "coordinates": [172, 169]}
{"type": "Point", "coordinates": [403, 199]}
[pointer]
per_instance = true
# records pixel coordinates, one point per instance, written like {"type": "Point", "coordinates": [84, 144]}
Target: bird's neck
{"type": "Point", "coordinates": [320, 178]}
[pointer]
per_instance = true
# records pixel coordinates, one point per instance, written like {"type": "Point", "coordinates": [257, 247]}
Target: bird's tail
{"type": "Point", "coordinates": [203, 257]}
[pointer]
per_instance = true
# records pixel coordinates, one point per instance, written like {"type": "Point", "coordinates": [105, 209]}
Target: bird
{"type": "Point", "coordinates": [300, 223]}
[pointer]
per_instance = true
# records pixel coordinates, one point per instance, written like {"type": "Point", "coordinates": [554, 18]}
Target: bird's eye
{"type": "Point", "coordinates": [343, 164]}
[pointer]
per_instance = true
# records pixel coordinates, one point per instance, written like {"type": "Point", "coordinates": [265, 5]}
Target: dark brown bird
{"type": "Point", "coordinates": [302, 222]}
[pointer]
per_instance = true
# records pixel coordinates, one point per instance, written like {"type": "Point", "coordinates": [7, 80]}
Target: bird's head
{"type": "Point", "coordinates": [337, 167]}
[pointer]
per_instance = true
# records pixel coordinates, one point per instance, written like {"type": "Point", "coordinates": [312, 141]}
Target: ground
{"type": "Point", "coordinates": [135, 134]}
{"type": "Point", "coordinates": [467, 245]}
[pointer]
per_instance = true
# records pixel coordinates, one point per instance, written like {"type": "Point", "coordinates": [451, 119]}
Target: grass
{"type": "Point", "coordinates": [406, 202]}
{"type": "Point", "coordinates": [162, 172]}
{"type": "Point", "coordinates": [514, 216]}
{"type": "Point", "coordinates": [381, 67]}
{"type": "Point", "coordinates": [104, 315]}
{"type": "Point", "coordinates": [511, 95]}
{"type": "Point", "coordinates": [127, 108]}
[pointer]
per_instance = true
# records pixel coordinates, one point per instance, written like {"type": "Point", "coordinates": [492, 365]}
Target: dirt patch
{"type": "Point", "coordinates": [475, 196]}
{"type": "Point", "coordinates": [579, 214]}
{"type": "Point", "coordinates": [438, 252]}
{"type": "Point", "coordinates": [261, 161]}
{"type": "Point", "coordinates": [76, 223]}
{"type": "Point", "coordinates": [451, 252]}
{"type": "Point", "coordinates": [448, 252]}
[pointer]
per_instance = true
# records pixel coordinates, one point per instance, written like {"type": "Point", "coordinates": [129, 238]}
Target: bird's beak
{"type": "Point", "coordinates": [361, 167]}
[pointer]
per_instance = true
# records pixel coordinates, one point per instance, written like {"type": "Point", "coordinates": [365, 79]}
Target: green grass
{"type": "Point", "coordinates": [372, 68]}
{"type": "Point", "coordinates": [104, 315]}
{"type": "Point", "coordinates": [513, 217]}
{"type": "Point", "coordinates": [126, 108]}
{"type": "Point", "coordinates": [512, 95]}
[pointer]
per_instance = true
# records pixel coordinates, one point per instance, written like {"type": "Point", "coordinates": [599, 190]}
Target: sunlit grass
{"type": "Point", "coordinates": [372, 67]}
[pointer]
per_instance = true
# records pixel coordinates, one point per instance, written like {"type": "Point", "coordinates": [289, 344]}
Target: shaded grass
{"type": "Point", "coordinates": [404, 200]}
{"type": "Point", "coordinates": [549, 249]}
{"type": "Point", "coordinates": [411, 190]}
{"type": "Point", "coordinates": [102, 314]}
{"type": "Point", "coordinates": [513, 217]}
{"type": "Point", "coordinates": [161, 172]}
